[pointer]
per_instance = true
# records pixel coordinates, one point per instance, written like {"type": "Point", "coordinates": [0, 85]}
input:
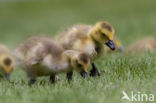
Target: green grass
{"type": "Point", "coordinates": [132, 19]}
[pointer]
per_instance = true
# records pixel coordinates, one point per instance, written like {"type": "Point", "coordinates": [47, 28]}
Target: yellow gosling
{"type": "Point", "coordinates": [6, 62]}
{"type": "Point", "coordinates": [41, 56]}
{"type": "Point", "coordinates": [89, 39]}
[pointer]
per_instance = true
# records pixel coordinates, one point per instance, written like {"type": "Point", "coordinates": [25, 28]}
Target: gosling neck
{"type": "Point", "coordinates": [90, 36]}
{"type": "Point", "coordinates": [66, 59]}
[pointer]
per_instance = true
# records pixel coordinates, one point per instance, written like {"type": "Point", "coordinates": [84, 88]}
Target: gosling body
{"type": "Point", "coordinates": [41, 56]}
{"type": "Point", "coordinates": [89, 39]}
{"type": "Point", "coordinates": [144, 44]}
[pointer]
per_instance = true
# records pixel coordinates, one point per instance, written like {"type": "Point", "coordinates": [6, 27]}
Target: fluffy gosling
{"type": "Point", "coordinates": [6, 62]}
{"type": "Point", "coordinates": [89, 39]}
{"type": "Point", "coordinates": [41, 56]}
{"type": "Point", "coordinates": [145, 44]}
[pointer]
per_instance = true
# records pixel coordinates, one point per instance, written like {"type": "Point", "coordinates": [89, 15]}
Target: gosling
{"type": "Point", "coordinates": [6, 62]}
{"type": "Point", "coordinates": [41, 56]}
{"type": "Point", "coordinates": [89, 39]}
{"type": "Point", "coordinates": [144, 44]}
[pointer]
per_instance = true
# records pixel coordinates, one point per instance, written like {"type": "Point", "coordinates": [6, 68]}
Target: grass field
{"type": "Point", "coordinates": [132, 19]}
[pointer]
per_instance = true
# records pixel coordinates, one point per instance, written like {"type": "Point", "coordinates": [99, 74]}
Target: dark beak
{"type": "Point", "coordinates": [110, 44]}
{"type": "Point", "coordinates": [7, 76]}
{"type": "Point", "coordinates": [83, 74]}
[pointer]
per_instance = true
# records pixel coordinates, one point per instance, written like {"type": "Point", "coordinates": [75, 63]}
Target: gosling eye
{"type": "Point", "coordinates": [79, 65]}
{"type": "Point", "coordinates": [103, 34]}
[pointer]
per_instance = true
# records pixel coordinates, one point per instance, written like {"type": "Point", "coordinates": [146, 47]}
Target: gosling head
{"type": "Point", "coordinates": [6, 65]}
{"type": "Point", "coordinates": [103, 32]}
{"type": "Point", "coordinates": [79, 61]}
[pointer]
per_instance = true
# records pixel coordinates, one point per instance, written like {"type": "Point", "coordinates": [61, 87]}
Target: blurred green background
{"type": "Point", "coordinates": [19, 19]}
{"type": "Point", "coordinates": [132, 19]}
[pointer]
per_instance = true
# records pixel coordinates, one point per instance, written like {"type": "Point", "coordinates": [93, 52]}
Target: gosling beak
{"type": "Point", "coordinates": [110, 44]}
{"type": "Point", "coordinates": [121, 48]}
{"type": "Point", "coordinates": [83, 74]}
{"type": "Point", "coordinates": [7, 76]}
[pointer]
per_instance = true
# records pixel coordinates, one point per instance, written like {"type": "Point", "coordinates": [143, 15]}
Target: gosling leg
{"type": "Point", "coordinates": [69, 76]}
{"type": "Point", "coordinates": [52, 79]}
{"type": "Point", "coordinates": [32, 77]}
{"type": "Point", "coordinates": [32, 81]}
{"type": "Point", "coordinates": [94, 71]}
